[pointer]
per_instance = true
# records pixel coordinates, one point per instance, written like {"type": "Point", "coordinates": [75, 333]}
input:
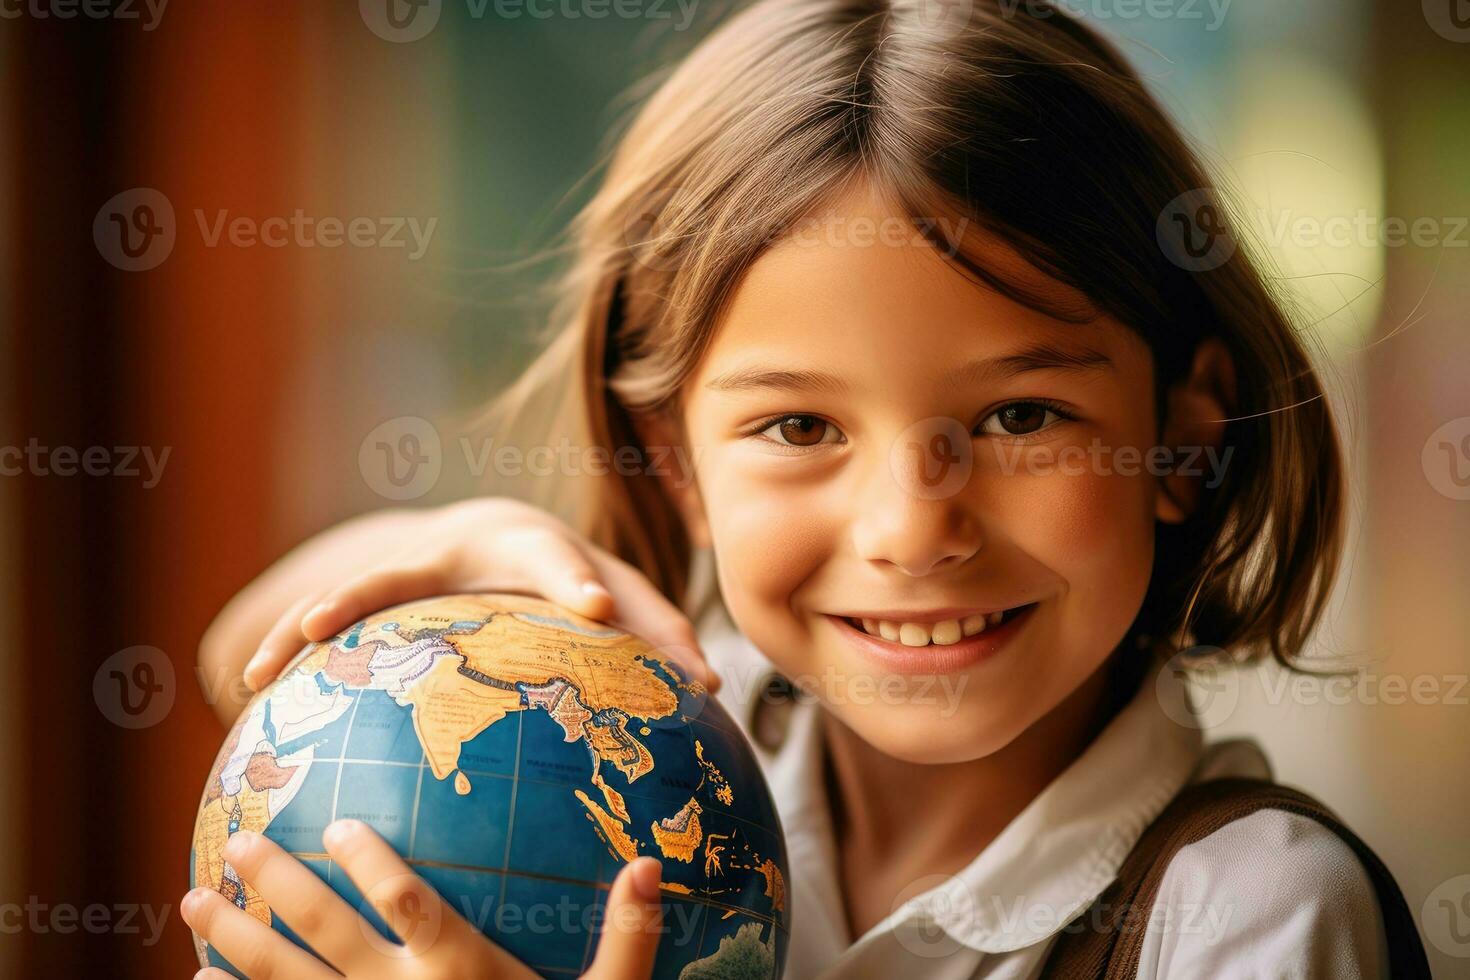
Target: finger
{"type": "Point", "coordinates": [550, 563]}
{"type": "Point", "coordinates": [212, 973]}
{"type": "Point", "coordinates": [309, 906]}
{"type": "Point", "coordinates": [284, 641]}
{"type": "Point", "coordinates": [371, 592]}
{"type": "Point", "coordinates": [413, 910]}
{"type": "Point", "coordinates": [633, 925]}
{"type": "Point", "coordinates": [644, 610]}
{"type": "Point", "coordinates": [251, 946]}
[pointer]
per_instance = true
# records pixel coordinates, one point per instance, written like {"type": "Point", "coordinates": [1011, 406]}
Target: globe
{"type": "Point", "coordinates": [516, 754]}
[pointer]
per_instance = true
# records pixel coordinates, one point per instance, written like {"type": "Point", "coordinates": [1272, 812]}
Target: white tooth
{"type": "Point", "coordinates": [971, 625]}
{"type": "Point", "coordinates": [995, 617]}
{"type": "Point", "coordinates": [888, 630]}
{"type": "Point", "coordinates": [946, 631]}
{"type": "Point", "coordinates": [870, 626]}
{"type": "Point", "coordinates": [913, 635]}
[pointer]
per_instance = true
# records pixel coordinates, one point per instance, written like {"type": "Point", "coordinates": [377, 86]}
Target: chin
{"type": "Point", "coordinates": [953, 730]}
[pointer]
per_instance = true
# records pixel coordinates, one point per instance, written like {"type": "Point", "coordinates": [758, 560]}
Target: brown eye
{"type": "Point", "coordinates": [1020, 419]}
{"type": "Point", "coordinates": [800, 430]}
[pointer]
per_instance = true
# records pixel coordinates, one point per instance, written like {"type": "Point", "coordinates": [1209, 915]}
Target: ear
{"type": "Point", "coordinates": [1194, 421]}
{"type": "Point", "coordinates": [673, 467]}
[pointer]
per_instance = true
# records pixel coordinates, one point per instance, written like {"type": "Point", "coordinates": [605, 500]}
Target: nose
{"type": "Point", "coordinates": [907, 532]}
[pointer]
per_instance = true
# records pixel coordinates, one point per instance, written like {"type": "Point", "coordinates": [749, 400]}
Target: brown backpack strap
{"type": "Point", "coordinates": [1087, 952]}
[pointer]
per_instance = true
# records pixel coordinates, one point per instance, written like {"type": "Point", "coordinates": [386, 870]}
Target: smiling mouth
{"type": "Point", "coordinates": [943, 633]}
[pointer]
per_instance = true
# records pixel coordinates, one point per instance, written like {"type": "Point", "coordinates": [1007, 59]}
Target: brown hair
{"type": "Point", "coordinates": [1014, 115]}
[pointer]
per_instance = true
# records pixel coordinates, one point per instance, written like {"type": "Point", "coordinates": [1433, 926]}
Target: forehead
{"type": "Point", "coordinates": [856, 291]}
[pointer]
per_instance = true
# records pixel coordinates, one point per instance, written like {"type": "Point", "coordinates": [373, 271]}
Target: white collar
{"type": "Point", "coordinates": [1045, 867]}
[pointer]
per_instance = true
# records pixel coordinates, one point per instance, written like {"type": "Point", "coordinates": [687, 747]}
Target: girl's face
{"type": "Point", "coordinates": [879, 437]}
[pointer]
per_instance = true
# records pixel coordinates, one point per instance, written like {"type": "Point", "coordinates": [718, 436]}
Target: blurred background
{"type": "Point", "coordinates": [188, 388]}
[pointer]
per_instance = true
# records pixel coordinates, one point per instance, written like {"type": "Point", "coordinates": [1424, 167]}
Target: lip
{"type": "Point", "coordinates": [933, 658]}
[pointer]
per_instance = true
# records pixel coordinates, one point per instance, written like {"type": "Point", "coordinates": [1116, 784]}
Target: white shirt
{"type": "Point", "coordinates": [1269, 895]}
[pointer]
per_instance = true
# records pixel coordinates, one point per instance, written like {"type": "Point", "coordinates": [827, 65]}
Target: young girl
{"type": "Point", "coordinates": [969, 415]}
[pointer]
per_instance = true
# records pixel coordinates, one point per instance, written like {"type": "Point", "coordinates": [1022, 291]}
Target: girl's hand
{"type": "Point", "coordinates": [493, 544]}
{"type": "Point", "coordinates": [437, 941]}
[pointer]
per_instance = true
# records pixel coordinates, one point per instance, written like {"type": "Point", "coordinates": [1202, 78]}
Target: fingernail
{"type": "Point", "coordinates": [647, 872]}
{"type": "Point", "coordinates": [252, 666]}
{"type": "Point", "coordinates": [191, 901]}
{"type": "Point", "coordinates": [338, 831]}
{"type": "Point", "coordinates": [595, 589]}
{"type": "Point", "coordinates": [237, 845]}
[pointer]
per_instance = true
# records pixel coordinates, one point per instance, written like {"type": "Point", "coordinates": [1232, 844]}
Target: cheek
{"type": "Point", "coordinates": [767, 539]}
{"type": "Point", "coordinates": [1095, 532]}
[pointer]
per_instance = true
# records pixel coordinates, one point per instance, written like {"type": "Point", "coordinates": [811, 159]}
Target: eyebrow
{"type": "Point", "coordinates": [1033, 357]}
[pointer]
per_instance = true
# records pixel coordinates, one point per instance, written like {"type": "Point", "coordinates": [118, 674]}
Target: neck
{"type": "Point", "coordinates": [965, 804]}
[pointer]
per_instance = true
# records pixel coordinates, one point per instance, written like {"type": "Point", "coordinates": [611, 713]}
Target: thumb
{"type": "Point", "coordinates": [633, 924]}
